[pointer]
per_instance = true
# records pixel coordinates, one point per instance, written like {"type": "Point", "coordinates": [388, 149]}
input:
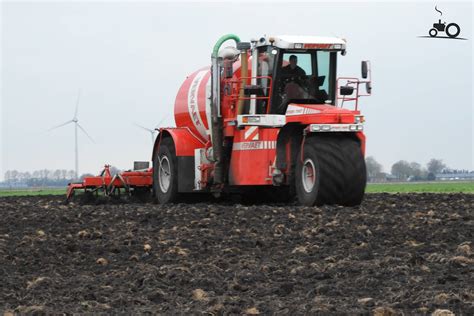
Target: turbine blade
{"type": "Point", "coordinates": [77, 103]}
{"type": "Point", "coordinates": [84, 131]}
{"type": "Point", "coordinates": [54, 127]}
{"type": "Point", "coordinates": [143, 127]}
{"type": "Point", "coordinates": [161, 121]}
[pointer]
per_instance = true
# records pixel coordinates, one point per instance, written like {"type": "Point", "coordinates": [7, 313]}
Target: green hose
{"type": "Point", "coordinates": [221, 41]}
{"type": "Point", "coordinates": [216, 122]}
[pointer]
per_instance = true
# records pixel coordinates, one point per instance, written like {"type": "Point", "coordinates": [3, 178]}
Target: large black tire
{"type": "Point", "coordinates": [332, 169]}
{"type": "Point", "coordinates": [322, 154]}
{"type": "Point", "coordinates": [355, 173]}
{"type": "Point", "coordinates": [339, 168]}
{"type": "Point", "coordinates": [165, 162]}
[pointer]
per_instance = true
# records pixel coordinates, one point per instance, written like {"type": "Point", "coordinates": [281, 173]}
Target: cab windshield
{"type": "Point", "coordinates": [303, 77]}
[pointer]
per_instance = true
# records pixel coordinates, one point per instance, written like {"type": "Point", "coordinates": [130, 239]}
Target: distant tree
{"type": "Point", "coordinates": [57, 174]}
{"type": "Point", "coordinates": [14, 176]}
{"type": "Point", "coordinates": [42, 173]}
{"type": "Point", "coordinates": [401, 169]}
{"type": "Point", "coordinates": [435, 166]}
{"type": "Point", "coordinates": [416, 170]}
{"type": "Point", "coordinates": [71, 174]}
{"type": "Point", "coordinates": [7, 176]}
{"type": "Point", "coordinates": [373, 167]}
{"type": "Point", "coordinates": [26, 176]}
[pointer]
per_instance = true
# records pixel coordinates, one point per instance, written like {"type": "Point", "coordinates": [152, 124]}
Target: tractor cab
{"type": "Point", "coordinates": [301, 69]}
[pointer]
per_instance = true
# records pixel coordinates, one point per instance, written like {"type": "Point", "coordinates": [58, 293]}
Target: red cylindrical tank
{"type": "Point", "coordinates": [192, 102]}
{"type": "Point", "coordinates": [192, 105]}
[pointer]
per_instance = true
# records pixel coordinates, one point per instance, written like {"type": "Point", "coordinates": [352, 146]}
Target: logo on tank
{"type": "Point", "coordinates": [193, 103]}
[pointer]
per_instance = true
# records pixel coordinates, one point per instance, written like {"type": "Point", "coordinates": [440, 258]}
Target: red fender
{"type": "Point", "coordinates": [184, 140]}
{"type": "Point", "coordinates": [361, 137]}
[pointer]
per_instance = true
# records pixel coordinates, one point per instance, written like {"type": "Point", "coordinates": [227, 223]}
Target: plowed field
{"type": "Point", "coordinates": [410, 253]}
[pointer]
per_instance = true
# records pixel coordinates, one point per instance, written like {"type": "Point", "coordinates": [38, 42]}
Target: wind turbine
{"type": "Point", "coordinates": [75, 120]}
{"type": "Point", "coordinates": [152, 131]}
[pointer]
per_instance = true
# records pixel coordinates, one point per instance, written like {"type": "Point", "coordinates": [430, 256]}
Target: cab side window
{"type": "Point", "coordinates": [265, 65]}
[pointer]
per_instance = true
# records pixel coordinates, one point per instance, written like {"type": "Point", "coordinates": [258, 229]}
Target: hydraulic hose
{"type": "Point", "coordinates": [221, 41]}
{"type": "Point", "coordinates": [216, 126]}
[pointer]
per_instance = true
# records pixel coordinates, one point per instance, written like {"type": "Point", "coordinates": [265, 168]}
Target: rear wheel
{"type": "Point", "coordinates": [165, 173]}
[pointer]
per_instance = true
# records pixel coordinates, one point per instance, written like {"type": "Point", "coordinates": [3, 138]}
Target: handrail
{"type": "Point", "coordinates": [236, 95]}
{"type": "Point", "coordinates": [350, 81]}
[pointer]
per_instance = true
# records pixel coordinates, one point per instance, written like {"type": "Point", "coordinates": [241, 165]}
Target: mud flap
{"type": "Point", "coordinates": [185, 173]}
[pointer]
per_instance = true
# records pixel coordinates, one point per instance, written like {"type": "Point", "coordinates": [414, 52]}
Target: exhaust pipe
{"type": "Point", "coordinates": [244, 72]}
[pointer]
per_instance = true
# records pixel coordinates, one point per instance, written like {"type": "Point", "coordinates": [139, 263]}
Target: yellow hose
{"type": "Point", "coordinates": [243, 74]}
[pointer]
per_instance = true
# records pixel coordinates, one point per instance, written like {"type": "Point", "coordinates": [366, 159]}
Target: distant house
{"type": "Point", "coordinates": [391, 178]}
{"type": "Point", "coordinates": [467, 176]}
{"type": "Point", "coordinates": [8, 185]}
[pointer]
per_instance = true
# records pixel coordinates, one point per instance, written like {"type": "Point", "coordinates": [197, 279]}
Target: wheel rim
{"type": "Point", "coordinates": [308, 175]}
{"type": "Point", "coordinates": [164, 174]}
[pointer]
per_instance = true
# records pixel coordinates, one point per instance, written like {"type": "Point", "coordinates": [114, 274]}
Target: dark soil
{"type": "Point", "coordinates": [410, 253]}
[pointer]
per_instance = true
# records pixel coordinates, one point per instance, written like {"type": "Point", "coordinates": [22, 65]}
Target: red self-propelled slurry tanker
{"type": "Point", "coordinates": [267, 116]}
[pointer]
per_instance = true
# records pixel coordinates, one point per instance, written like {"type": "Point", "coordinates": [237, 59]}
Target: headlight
{"type": "Point", "coordinates": [359, 119]}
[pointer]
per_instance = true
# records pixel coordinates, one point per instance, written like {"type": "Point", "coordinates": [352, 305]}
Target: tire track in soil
{"type": "Point", "coordinates": [395, 253]}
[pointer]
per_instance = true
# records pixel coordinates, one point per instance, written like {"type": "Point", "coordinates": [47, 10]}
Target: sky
{"type": "Point", "coordinates": [130, 58]}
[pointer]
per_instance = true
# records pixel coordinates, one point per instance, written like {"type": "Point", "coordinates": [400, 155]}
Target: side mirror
{"type": "Point", "coordinates": [254, 90]}
{"type": "Point", "coordinates": [364, 68]}
{"type": "Point", "coordinates": [368, 87]}
{"type": "Point", "coordinates": [346, 90]}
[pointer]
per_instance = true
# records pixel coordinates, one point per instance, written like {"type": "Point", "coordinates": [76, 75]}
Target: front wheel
{"type": "Point", "coordinates": [307, 175]}
{"type": "Point", "coordinates": [165, 173]}
{"type": "Point", "coordinates": [331, 170]}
